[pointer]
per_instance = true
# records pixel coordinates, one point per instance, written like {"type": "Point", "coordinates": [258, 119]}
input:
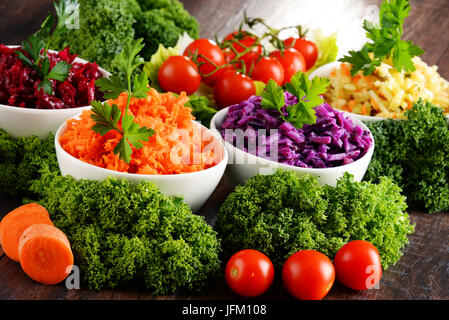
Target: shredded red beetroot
{"type": "Point", "coordinates": [19, 82]}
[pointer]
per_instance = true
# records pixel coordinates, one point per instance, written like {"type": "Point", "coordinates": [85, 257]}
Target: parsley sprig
{"type": "Point", "coordinates": [386, 41]}
{"type": "Point", "coordinates": [107, 117]}
{"type": "Point", "coordinates": [308, 93]}
{"type": "Point", "coordinates": [38, 43]}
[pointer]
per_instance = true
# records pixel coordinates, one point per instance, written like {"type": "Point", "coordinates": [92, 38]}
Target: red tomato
{"type": "Point", "coordinates": [233, 87]}
{"type": "Point", "coordinates": [206, 50]}
{"type": "Point", "coordinates": [179, 73]}
{"type": "Point", "coordinates": [308, 275]}
{"type": "Point", "coordinates": [308, 49]}
{"type": "Point", "coordinates": [292, 61]}
{"type": "Point", "coordinates": [249, 273]}
{"type": "Point", "coordinates": [228, 54]}
{"type": "Point", "coordinates": [246, 41]}
{"type": "Point", "coordinates": [268, 68]}
{"type": "Point", "coordinates": [250, 60]}
{"type": "Point", "coordinates": [357, 265]}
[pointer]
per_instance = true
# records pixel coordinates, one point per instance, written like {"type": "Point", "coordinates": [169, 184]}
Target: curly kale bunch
{"type": "Point", "coordinates": [21, 160]}
{"type": "Point", "coordinates": [107, 25]}
{"type": "Point", "coordinates": [163, 21]}
{"type": "Point", "coordinates": [415, 154]}
{"type": "Point", "coordinates": [282, 213]}
{"type": "Point", "coordinates": [123, 233]}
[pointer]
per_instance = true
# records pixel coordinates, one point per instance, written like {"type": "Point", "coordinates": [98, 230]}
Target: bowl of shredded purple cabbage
{"type": "Point", "coordinates": [259, 141]}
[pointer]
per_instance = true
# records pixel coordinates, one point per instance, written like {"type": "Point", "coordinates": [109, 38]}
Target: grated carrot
{"type": "Point", "coordinates": [345, 70]}
{"type": "Point", "coordinates": [167, 116]}
{"type": "Point", "coordinates": [351, 105]}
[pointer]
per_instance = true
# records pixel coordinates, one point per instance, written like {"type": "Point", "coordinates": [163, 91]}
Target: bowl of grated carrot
{"type": "Point", "coordinates": [183, 158]}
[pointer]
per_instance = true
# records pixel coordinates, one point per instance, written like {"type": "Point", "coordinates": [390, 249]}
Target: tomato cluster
{"type": "Point", "coordinates": [231, 67]}
{"type": "Point", "coordinates": [307, 274]}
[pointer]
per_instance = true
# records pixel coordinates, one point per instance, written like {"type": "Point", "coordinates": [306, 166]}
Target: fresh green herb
{"type": "Point", "coordinates": [386, 41]}
{"type": "Point", "coordinates": [107, 117]}
{"type": "Point", "coordinates": [21, 161]}
{"type": "Point", "coordinates": [123, 233]}
{"type": "Point", "coordinates": [282, 213]}
{"type": "Point", "coordinates": [37, 46]}
{"type": "Point", "coordinates": [415, 153]}
{"type": "Point", "coordinates": [201, 109]}
{"type": "Point", "coordinates": [107, 25]}
{"type": "Point", "coordinates": [273, 97]}
{"type": "Point", "coordinates": [308, 93]}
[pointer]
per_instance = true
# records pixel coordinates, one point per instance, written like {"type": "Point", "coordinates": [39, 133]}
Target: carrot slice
{"type": "Point", "coordinates": [45, 254]}
{"type": "Point", "coordinates": [15, 222]}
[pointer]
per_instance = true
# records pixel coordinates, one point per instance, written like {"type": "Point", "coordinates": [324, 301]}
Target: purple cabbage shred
{"type": "Point", "coordinates": [332, 141]}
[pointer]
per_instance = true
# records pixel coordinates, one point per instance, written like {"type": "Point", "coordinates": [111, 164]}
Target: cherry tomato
{"type": "Point", "coordinates": [233, 87]}
{"type": "Point", "coordinates": [250, 59]}
{"type": "Point", "coordinates": [292, 61]}
{"type": "Point", "coordinates": [206, 50]}
{"type": "Point", "coordinates": [179, 73]}
{"type": "Point", "coordinates": [308, 49]}
{"type": "Point", "coordinates": [246, 41]}
{"type": "Point", "coordinates": [228, 54]}
{"type": "Point", "coordinates": [268, 68]}
{"type": "Point", "coordinates": [308, 275]}
{"type": "Point", "coordinates": [357, 265]}
{"type": "Point", "coordinates": [249, 273]}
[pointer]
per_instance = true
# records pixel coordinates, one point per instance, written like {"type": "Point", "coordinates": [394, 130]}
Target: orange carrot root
{"type": "Point", "coordinates": [15, 222]}
{"type": "Point", "coordinates": [45, 254]}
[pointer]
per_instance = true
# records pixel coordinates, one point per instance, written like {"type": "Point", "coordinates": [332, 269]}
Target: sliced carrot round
{"type": "Point", "coordinates": [15, 222]}
{"type": "Point", "coordinates": [45, 254]}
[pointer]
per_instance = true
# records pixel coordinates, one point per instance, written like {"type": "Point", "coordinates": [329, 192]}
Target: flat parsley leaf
{"type": "Point", "coordinates": [273, 97]}
{"type": "Point", "coordinates": [133, 135]}
{"type": "Point", "coordinates": [386, 41]}
{"type": "Point", "coordinates": [107, 117]}
{"type": "Point", "coordinates": [36, 46]}
{"type": "Point", "coordinates": [308, 93]}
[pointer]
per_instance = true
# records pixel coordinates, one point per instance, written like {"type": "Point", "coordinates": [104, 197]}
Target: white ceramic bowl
{"type": "Point", "coordinates": [24, 122]}
{"type": "Point", "coordinates": [324, 72]}
{"type": "Point", "coordinates": [195, 187]}
{"type": "Point", "coordinates": [243, 165]}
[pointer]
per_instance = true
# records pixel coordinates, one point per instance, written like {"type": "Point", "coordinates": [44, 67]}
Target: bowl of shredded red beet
{"type": "Point", "coordinates": [25, 110]}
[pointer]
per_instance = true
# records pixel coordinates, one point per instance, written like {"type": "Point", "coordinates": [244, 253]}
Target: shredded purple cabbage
{"type": "Point", "coordinates": [332, 141]}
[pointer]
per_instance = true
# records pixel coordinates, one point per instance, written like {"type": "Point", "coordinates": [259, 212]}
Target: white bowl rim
{"type": "Point", "coordinates": [124, 175]}
{"type": "Point", "coordinates": [299, 169]}
{"type": "Point", "coordinates": [32, 110]}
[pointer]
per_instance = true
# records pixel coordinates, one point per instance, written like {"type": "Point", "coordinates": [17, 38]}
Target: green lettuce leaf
{"type": "Point", "coordinates": [327, 49]}
{"type": "Point", "coordinates": [151, 68]}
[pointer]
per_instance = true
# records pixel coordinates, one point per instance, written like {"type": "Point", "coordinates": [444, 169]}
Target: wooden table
{"type": "Point", "coordinates": [422, 273]}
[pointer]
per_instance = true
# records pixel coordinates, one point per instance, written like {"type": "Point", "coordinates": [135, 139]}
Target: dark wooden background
{"type": "Point", "coordinates": [422, 273]}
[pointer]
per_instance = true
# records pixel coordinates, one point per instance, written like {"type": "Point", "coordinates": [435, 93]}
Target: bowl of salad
{"type": "Point", "coordinates": [386, 77]}
{"type": "Point", "coordinates": [31, 105]}
{"type": "Point", "coordinates": [260, 139]}
{"type": "Point", "coordinates": [386, 93]}
{"type": "Point", "coordinates": [179, 155]}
